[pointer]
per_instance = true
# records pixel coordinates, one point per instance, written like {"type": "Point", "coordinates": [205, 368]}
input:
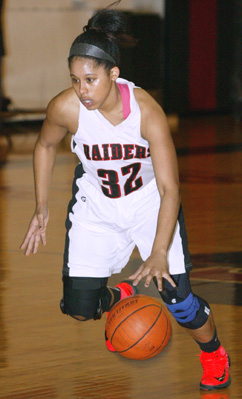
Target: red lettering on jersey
{"type": "Point", "coordinates": [116, 151]}
{"type": "Point", "coordinates": [128, 148]}
{"type": "Point", "coordinates": [106, 156]}
{"type": "Point", "coordinates": [96, 156]}
{"type": "Point", "coordinates": [140, 152]}
{"type": "Point", "coordinates": [86, 151]}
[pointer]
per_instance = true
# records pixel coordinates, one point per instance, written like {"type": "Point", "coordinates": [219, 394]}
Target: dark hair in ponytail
{"type": "Point", "coordinates": [107, 30]}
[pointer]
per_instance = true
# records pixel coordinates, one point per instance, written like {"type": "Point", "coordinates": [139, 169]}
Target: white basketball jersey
{"type": "Point", "coordinates": [116, 159]}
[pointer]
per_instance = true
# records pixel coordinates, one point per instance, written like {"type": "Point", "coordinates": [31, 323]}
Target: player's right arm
{"type": "Point", "coordinates": [52, 132]}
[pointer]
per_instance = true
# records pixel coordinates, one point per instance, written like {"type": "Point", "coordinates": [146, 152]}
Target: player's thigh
{"type": "Point", "coordinates": [94, 251]}
{"type": "Point", "coordinates": [178, 256]}
{"type": "Point", "coordinates": [96, 245]}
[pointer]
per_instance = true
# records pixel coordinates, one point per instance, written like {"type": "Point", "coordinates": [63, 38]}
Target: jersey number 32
{"type": "Point", "coordinates": [110, 180]}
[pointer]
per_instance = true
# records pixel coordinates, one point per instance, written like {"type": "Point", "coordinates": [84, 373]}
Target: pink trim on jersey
{"type": "Point", "coordinates": [125, 96]}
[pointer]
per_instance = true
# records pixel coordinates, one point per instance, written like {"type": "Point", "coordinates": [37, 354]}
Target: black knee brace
{"type": "Point", "coordinates": [189, 310]}
{"type": "Point", "coordinates": [82, 297]}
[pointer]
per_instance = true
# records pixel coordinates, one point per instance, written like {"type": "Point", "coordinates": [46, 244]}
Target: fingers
{"type": "Point", "coordinates": [139, 274]}
{"type": "Point", "coordinates": [158, 278]}
{"type": "Point", "coordinates": [36, 244]}
{"type": "Point", "coordinates": [31, 244]}
{"type": "Point", "coordinates": [142, 272]}
{"type": "Point", "coordinates": [43, 238]}
{"type": "Point", "coordinates": [26, 239]}
{"type": "Point", "coordinates": [24, 243]}
{"type": "Point", "coordinates": [171, 281]}
{"type": "Point", "coordinates": [150, 273]}
{"type": "Point", "coordinates": [135, 275]}
{"type": "Point", "coordinates": [149, 278]}
{"type": "Point", "coordinates": [35, 234]}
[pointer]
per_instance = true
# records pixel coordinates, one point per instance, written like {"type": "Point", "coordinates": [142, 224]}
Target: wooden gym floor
{"type": "Point", "coordinates": [44, 354]}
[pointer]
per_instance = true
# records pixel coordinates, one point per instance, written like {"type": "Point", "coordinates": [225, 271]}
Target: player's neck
{"type": "Point", "coordinates": [112, 109]}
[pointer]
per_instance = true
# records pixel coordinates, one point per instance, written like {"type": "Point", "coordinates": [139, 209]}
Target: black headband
{"type": "Point", "coordinates": [83, 49]}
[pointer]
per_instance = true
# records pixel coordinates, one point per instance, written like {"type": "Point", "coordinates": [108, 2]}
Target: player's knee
{"type": "Point", "coordinates": [81, 311]}
{"type": "Point", "coordinates": [84, 298]}
{"type": "Point", "coordinates": [189, 310]}
{"type": "Point", "coordinates": [80, 318]}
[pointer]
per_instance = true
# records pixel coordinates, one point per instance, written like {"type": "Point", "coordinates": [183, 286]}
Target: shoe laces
{"type": "Point", "coordinates": [212, 363]}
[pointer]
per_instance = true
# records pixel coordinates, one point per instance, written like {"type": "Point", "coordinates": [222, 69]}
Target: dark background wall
{"type": "Point", "coordinates": [143, 64]}
{"type": "Point", "coordinates": [190, 55]}
{"type": "Point", "coordinates": [199, 38]}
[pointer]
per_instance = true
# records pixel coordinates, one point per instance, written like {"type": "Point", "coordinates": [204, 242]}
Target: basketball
{"type": "Point", "coordinates": [138, 327]}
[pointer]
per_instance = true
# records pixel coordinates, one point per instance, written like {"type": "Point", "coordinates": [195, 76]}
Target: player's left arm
{"type": "Point", "coordinates": [156, 131]}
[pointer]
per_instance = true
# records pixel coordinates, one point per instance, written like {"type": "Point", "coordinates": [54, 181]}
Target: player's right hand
{"type": "Point", "coordinates": [36, 231]}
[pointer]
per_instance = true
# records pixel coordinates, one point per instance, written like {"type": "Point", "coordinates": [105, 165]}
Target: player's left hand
{"type": "Point", "coordinates": [36, 231]}
{"type": "Point", "coordinates": [154, 267]}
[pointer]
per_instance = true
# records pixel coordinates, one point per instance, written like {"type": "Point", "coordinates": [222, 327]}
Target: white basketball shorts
{"type": "Point", "coordinates": [102, 232]}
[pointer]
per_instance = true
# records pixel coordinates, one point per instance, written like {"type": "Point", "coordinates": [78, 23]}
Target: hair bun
{"type": "Point", "coordinates": [114, 25]}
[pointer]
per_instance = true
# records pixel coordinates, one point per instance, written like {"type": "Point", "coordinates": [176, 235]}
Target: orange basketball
{"type": "Point", "coordinates": [138, 327]}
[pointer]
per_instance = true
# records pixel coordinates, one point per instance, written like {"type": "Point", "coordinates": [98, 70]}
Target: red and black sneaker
{"type": "Point", "coordinates": [127, 289]}
{"type": "Point", "coordinates": [215, 370]}
{"type": "Point", "coordinates": [214, 395]}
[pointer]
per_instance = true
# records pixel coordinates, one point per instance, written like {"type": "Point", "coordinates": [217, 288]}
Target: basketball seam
{"type": "Point", "coordinates": [137, 310]}
{"type": "Point", "coordinates": [167, 324]}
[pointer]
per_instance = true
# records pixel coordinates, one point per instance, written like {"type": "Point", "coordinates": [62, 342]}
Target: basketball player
{"type": "Point", "coordinates": [125, 193]}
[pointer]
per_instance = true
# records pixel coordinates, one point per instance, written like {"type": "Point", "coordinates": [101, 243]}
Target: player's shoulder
{"type": "Point", "coordinates": [63, 101]}
{"type": "Point", "coordinates": [145, 100]}
{"type": "Point", "coordinates": [148, 105]}
{"type": "Point", "coordinates": [62, 107]}
{"type": "Point", "coordinates": [153, 118]}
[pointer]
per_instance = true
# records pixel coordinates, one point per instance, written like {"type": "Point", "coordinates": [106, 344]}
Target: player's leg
{"type": "Point", "coordinates": [194, 314]}
{"type": "Point", "coordinates": [94, 245]}
{"type": "Point", "coordinates": [197, 318]}
{"type": "Point", "coordinates": [86, 298]}
{"type": "Point", "coordinates": [94, 250]}
{"type": "Point", "coordinates": [191, 312]}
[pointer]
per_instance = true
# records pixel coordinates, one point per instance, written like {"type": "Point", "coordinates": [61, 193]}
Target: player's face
{"type": "Point", "coordinates": [91, 82]}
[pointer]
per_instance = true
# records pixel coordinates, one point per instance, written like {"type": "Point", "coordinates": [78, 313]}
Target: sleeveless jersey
{"type": "Point", "coordinates": [116, 159]}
